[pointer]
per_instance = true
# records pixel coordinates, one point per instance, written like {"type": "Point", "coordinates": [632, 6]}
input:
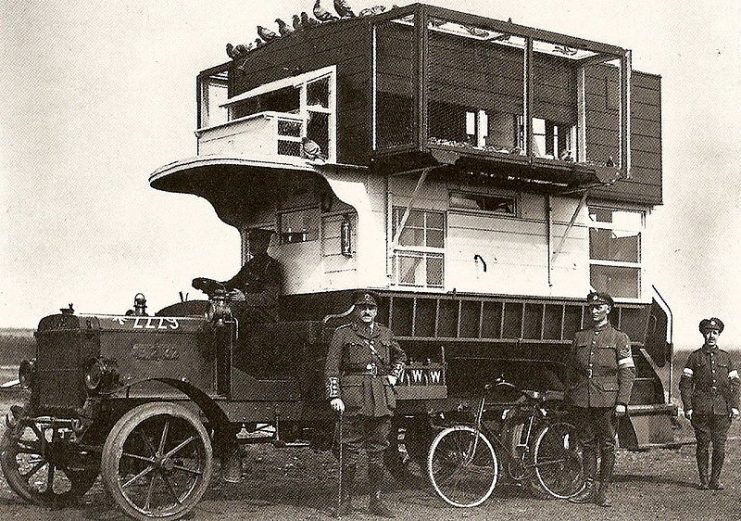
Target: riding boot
{"type": "Point", "coordinates": [347, 483]}
{"type": "Point", "coordinates": [586, 494]}
{"type": "Point", "coordinates": [376, 505]}
{"type": "Point", "coordinates": [607, 465]}
{"type": "Point", "coordinates": [718, 458]}
{"type": "Point", "coordinates": [589, 465]}
{"type": "Point", "coordinates": [702, 466]}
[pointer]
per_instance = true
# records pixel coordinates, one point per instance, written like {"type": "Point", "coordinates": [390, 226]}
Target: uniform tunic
{"type": "Point", "coordinates": [357, 374]}
{"type": "Point", "coordinates": [260, 281]}
{"type": "Point", "coordinates": [709, 383]}
{"type": "Point", "coordinates": [600, 368]}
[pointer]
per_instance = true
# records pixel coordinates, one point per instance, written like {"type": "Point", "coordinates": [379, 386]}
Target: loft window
{"type": "Point", "coordinates": [503, 204]}
{"type": "Point", "coordinates": [419, 258]}
{"type": "Point", "coordinates": [615, 251]}
{"type": "Point", "coordinates": [551, 140]}
{"type": "Point", "coordinates": [305, 106]}
{"type": "Point", "coordinates": [299, 226]}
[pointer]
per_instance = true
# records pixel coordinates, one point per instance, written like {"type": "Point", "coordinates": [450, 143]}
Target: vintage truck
{"type": "Point", "coordinates": [481, 176]}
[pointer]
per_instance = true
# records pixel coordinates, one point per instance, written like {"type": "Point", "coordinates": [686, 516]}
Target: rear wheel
{"type": "Point", "coordinates": [462, 466]}
{"type": "Point", "coordinates": [157, 461]}
{"type": "Point", "coordinates": [556, 456]}
{"type": "Point", "coordinates": [42, 466]}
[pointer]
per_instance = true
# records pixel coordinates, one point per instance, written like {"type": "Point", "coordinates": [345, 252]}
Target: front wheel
{"type": "Point", "coordinates": [157, 461]}
{"type": "Point", "coordinates": [42, 466]}
{"type": "Point", "coordinates": [557, 462]}
{"type": "Point", "coordinates": [462, 466]}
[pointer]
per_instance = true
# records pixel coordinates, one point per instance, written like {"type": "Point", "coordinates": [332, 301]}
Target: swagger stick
{"type": "Point", "coordinates": [339, 484]}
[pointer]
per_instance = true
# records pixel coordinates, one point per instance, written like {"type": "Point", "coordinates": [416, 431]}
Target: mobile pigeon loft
{"type": "Point", "coordinates": [481, 176]}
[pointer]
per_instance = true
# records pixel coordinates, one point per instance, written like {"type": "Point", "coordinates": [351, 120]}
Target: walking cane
{"type": "Point", "coordinates": [339, 484]}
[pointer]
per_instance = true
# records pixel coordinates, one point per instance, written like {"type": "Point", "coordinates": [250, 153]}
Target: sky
{"type": "Point", "coordinates": [98, 94]}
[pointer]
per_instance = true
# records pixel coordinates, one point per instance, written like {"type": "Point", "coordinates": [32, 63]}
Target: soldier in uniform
{"type": "Point", "coordinates": [259, 280]}
{"type": "Point", "coordinates": [364, 362]}
{"type": "Point", "coordinates": [599, 379]}
{"type": "Point", "coordinates": [710, 395]}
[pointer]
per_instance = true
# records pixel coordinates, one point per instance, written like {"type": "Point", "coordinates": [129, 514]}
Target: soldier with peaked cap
{"type": "Point", "coordinates": [364, 362]}
{"type": "Point", "coordinates": [599, 379]}
{"type": "Point", "coordinates": [710, 395]}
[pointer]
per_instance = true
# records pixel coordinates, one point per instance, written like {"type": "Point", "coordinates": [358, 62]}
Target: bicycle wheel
{"type": "Point", "coordinates": [556, 459]}
{"type": "Point", "coordinates": [462, 466]}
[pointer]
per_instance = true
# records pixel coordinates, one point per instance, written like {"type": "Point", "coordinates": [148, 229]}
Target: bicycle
{"type": "Point", "coordinates": [539, 449]}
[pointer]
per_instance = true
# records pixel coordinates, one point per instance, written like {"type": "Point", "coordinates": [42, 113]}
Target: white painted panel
{"type": "Point", "coordinates": [302, 266]}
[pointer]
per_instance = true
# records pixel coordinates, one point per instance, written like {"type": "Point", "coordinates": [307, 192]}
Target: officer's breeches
{"type": "Point", "coordinates": [365, 432]}
{"type": "Point", "coordinates": [711, 428]}
{"type": "Point", "coordinates": [597, 428]}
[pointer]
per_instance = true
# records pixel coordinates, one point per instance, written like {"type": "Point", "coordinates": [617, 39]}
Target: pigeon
{"type": "Point", "coordinates": [565, 50]}
{"type": "Point", "coordinates": [311, 150]}
{"type": "Point", "coordinates": [266, 34]}
{"type": "Point", "coordinates": [437, 22]}
{"type": "Point", "coordinates": [230, 51]}
{"type": "Point", "coordinates": [283, 28]}
{"type": "Point", "coordinates": [307, 21]}
{"type": "Point", "coordinates": [370, 11]}
{"type": "Point", "coordinates": [258, 43]}
{"type": "Point", "coordinates": [297, 23]}
{"type": "Point", "coordinates": [610, 162]}
{"type": "Point", "coordinates": [322, 14]}
{"type": "Point", "coordinates": [343, 9]}
{"type": "Point", "coordinates": [476, 31]}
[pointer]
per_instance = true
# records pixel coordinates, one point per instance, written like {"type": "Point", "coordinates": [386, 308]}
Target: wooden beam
{"type": "Point", "coordinates": [528, 72]}
{"type": "Point", "coordinates": [625, 74]}
{"type": "Point", "coordinates": [571, 225]}
{"type": "Point", "coordinates": [408, 210]}
{"type": "Point", "coordinates": [522, 30]}
{"type": "Point", "coordinates": [597, 59]}
{"type": "Point", "coordinates": [581, 127]}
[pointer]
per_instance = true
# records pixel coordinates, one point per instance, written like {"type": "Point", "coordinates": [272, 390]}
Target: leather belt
{"type": "Point", "coordinates": [370, 370]}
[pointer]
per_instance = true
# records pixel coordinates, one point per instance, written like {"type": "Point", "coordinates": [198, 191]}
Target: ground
{"type": "Point", "coordinates": [299, 484]}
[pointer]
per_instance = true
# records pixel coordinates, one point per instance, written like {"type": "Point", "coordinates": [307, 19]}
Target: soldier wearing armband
{"type": "Point", "coordinates": [599, 379]}
{"type": "Point", "coordinates": [710, 395]}
{"type": "Point", "coordinates": [364, 362]}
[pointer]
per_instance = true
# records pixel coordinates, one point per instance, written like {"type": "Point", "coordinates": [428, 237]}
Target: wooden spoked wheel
{"type": "Point", "coordinates": [157, 461]}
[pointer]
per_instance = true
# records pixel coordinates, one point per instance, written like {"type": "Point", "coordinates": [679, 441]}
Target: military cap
{"type": "Point", "coordinates": [257, 233]}
{"type": "Point", "coordinates": [365, 298]}
{"type": "Point", "coordinates": [711, 323]}
{"type": "Point", "coordinates": [595, 298]}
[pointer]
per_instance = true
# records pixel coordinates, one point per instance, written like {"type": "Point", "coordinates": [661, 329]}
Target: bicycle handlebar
{"type": "Point", "coordinates": [535, 396]}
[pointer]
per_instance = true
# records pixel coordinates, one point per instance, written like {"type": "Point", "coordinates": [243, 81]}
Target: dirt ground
{"type": "Point", "coordinates": [299, 484]}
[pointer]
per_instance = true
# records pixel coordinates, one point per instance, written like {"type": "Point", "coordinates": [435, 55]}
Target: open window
{"type": "Point", "coordinates": [615, 251]}
{"type": "Point", "coordinates": [296, 107]}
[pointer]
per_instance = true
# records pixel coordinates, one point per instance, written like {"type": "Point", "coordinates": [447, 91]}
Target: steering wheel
{"type": "Point", "coordinates": [208, 286]}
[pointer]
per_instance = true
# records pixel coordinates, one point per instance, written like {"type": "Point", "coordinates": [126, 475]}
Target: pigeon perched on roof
{"type": "Point", "coordinates": [307, 21]}
{"type": "Point", "coordinates": [266, 34]}
{"type": "Point", "coordinates": [297, 26]}
{"type": "Point", "coordinates": [370, 11]}
{"type": "Point", "coordinates": [258, 43]}
{"type": "Point", "coordinates": [343, 9]}
{"type": "Point", "coordinates": [230, 51]}
{"type": "Point", "coordinates": [311, 150]}
{"type": "Point", "coordinates": [610, 162]}
{"type": "Point", "coordinates": [322, 14]}
{"type": "Point", "coordinates": [283, 28]}
{"type": "Point", "coordinates": [238, 51]}
{"type": "Point", "coordinates": [476, 31]}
